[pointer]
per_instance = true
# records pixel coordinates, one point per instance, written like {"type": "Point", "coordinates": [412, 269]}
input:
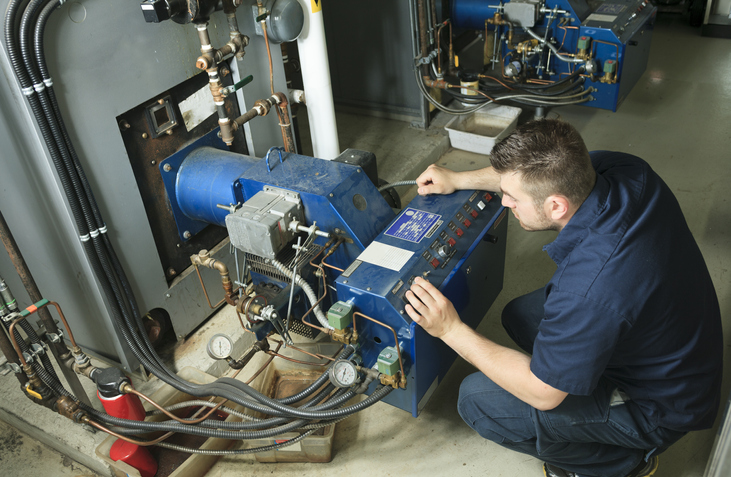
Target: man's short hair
{"type": "Point", "coordinates": [551, 158]}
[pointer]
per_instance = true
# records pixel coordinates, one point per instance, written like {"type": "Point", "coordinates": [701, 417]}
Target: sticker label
{"type": "Point", "coordinates": [353, 267]}
{"type": "Point", "coordinates": [297, 446]}
{"type": "Point", "coordinates": [609, 8]}
{"type": "Point", "coordinates": [385, 256]}
{"type": "Point", "coordinates": [413, 225]}
{"type": "Point", "coordinates": [316, 5]}
{"type": "Point", "coordinates": [595, 17]}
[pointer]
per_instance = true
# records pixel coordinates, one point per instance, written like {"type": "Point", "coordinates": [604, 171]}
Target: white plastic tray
{"type": "Point", "coordinates": [479, 131]}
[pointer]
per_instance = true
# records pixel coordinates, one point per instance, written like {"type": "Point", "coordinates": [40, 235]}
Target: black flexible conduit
{"type": "Point", "coordinates": [24, 42]}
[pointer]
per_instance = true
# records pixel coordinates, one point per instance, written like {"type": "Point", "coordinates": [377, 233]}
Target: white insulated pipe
{"type": "Point", "coordinates": [316, 78]}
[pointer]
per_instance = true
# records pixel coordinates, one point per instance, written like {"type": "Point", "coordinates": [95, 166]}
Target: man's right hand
{"type": "Point", "coordinates": [436, 180]}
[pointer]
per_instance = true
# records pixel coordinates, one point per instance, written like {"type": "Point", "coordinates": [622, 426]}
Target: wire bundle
{"type": "Point", "coordinates": [25, 23]}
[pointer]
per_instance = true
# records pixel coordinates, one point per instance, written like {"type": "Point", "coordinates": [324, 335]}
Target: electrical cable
{"type": "Point", "coordinates": [396, 184]}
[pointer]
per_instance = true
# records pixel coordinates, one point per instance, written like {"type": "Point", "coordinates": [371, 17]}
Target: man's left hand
{"type": "Point", "coordinates": [431, 309]}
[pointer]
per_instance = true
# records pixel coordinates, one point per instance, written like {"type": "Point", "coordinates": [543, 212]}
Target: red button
{"type": "Point", "coordinates": [451, 241]}
{"type": "Point", "coordinates": [488, 196]}
{"type": "Point", "coordinates": [473, 214]}
{"type": "Point", "coordinates": [467, 223]}
{"type": "Point", "coordinates": [435, 263]}
{"type": "Point", "coordinates": [459, 233]}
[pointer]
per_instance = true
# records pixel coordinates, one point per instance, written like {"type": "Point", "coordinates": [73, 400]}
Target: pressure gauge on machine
{"type": "Point", "coordinates": [343, 374]}
{"type": "Point", "coordinates": [220, 346]}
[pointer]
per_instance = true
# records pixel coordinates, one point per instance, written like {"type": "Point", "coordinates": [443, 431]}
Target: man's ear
{"type": "Point", "coordinates": [557, 207]}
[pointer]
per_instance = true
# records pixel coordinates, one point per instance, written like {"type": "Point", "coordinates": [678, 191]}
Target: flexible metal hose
{"type": "Point", "coordinates": [307, 289]}
{"type": "Point", "coordinates": [396, 184]}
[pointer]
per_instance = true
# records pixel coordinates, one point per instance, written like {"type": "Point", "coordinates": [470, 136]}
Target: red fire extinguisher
{"type": "Point", "coordinates": [125, 406]}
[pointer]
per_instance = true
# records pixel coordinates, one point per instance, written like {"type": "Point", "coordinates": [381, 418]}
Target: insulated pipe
{"type": "Point", "coordinates": [317, 84]}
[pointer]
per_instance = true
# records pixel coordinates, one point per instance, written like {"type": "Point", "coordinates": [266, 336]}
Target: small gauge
{"type": "Point", "coordinates": [343, 373]}
{"type": "Point", "coordinates": [220, 346]}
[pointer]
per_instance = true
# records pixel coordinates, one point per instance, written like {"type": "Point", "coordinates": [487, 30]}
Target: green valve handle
{"type": "Point", "coordinates": [232, 89]}
{"type": "Point", "coordinates": [262, 17]}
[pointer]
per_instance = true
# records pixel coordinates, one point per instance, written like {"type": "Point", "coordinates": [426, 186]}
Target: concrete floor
{"type": "Point", "coordinates": [676, 118]}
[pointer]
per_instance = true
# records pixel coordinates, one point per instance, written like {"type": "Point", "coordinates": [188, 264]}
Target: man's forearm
{"type": "Point", "coordinates": [481, 179]}
{"type": "Point", "coordinates": [508, 368]}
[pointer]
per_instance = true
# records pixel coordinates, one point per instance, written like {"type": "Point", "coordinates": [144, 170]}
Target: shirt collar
{"type": "Point", "coordinates": [578, 227]}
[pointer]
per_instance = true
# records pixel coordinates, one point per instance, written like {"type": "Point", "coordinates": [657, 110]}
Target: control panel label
{"type": "Point", "coordinates": [413, 225]}
{"type": "Point", "coordinates": [386, 256]}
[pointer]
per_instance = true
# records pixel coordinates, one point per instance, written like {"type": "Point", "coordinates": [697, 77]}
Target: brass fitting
{"type": "Point", "coordinates": [396, 381]}
{"type": "Point", "coordinates": [609, 78]}
{"type": "Point", "coordinates": [440, 84]}
{"type": "Point", "coordinates": [204, 259]}
{"type": "Point", "coordinates": [526, 46]}
{"type": "Point", "coordinates": [67, 407]}
{"type": "Point", "coordinates": [346, 336]}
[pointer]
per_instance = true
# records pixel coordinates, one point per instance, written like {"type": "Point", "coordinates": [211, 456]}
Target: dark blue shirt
{"type": "Point", "coordinates": [632, 301]}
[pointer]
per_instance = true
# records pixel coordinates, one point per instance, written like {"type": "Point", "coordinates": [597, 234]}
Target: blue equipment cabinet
{"type": "Point", "coordinates": [457, 242]}
{"type": "Point", "coordinates": [614, 35]}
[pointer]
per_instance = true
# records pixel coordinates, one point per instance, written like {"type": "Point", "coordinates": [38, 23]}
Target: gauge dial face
{"type": "Point", "coordinates": [343, 374]}
{"type": "Point", "coordinates": [220, 346]}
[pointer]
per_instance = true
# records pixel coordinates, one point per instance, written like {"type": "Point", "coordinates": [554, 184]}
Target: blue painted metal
{"type": "Point", "coordinates": [616, 34]}
{"type": "Point", "coordinates": [169, 169]}
{"type": "Point", "coordinates": [340, 198]}
{"type": "Point", "coordinates": [471, 278]}
{"type": "Point", "coordinates": [207, 177]}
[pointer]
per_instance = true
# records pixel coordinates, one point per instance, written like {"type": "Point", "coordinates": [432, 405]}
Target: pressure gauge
{"type": "Point", "coordinates": [343, 373]}
{"type": "Point", "coordinates": [220, 346]}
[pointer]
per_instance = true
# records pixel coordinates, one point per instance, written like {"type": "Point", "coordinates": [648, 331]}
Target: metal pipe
{"type": "Point", "coordinates": [9, 352]}
{"type": "Point", "coordinates": [57, 348]}
{"type": "Point", "coordinates": [317, 84]}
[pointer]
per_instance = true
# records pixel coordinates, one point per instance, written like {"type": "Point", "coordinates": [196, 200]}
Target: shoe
{"type": "Point", "coordinates": [550, 470]}
{"type": "Point", "coordinates": [646, 469]}
{"type": "Point", "coordinates": [643, 469]}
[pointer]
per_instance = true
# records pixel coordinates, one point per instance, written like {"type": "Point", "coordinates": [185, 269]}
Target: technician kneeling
{"type": "Point", "coordinates": [625, 339]}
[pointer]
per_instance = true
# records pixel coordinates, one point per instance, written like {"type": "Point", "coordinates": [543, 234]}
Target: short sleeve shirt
{"type": "Point", "coordinates": [632, 301]}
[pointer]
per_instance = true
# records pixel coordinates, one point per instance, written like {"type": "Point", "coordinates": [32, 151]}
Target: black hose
{"type": "Point", "coordinates": [377, 395]}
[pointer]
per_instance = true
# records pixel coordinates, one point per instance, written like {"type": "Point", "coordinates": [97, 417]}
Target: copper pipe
{"type": "Point", "coordinates": [594, 42]}
{"type": "Point", "coordinates": [314, 355]}
{"type": "Point", "coordinates": [395, 339]}
{"type": "Point", "coordinates": [284, 122]}
{"type": "Point", "coordinates": [261, 370]}
{"type": "Point", "coordinates": [496, 80]}
{"type": "Point", "coordinates": [205, 292]}
{"type": "Point", "coordinates": [63, 319]}
{"type": "Point", "coordinates": [11, 332]}
{"type": "Point", "coordinates": [287, 358]}
{"type": "Point", "coordinates": [332, 266]}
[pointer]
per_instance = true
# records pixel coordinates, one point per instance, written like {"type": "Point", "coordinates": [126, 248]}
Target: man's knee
{"type": "Point", "coordinates": [493, 412]}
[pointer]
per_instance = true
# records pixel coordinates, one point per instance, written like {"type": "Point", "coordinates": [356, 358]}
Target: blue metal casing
{"type": "Point", "coordinates": [471, 277]}
{"type": "Point", "coordinates": [620, 30]}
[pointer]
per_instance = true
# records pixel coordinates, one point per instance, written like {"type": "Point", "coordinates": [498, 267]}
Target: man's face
{"type": "Point", "coordinates": [523, 206]}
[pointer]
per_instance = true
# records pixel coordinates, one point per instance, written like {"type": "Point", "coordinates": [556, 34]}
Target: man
{"type": "Point", "coordinates": [625, 340]}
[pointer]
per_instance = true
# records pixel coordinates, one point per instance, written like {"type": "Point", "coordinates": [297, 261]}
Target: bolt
{"type": "Point", "coordinates": [387, 355]}
{"type": "Point", "coordinates": [201, 64]}
{"type": "Point", "coordinates": [469, 270]}
{"type": "Point", "coordinates": [153, 162]}
{"type": "Point", "coordinates": [358, 170]}
{"type": "Point", "coordinates": [167, 168]}
{"type": "Point", "coordinates": [345, 281]}
{"type": "Point", "coordinates": [187, 234]}
{"type": "Point", "coordinates": [219, 134]}
{"type": "Point", "coordinates": [180, 337]}
{"type": "Point", "coordinates": [145, 135]}
{"type": "Point", "coordinates": [171, 271]}
{"type": "Point", "coordinates": [124, 124]}
{"type": "Point", "coordinates": [160, 101]}
{"type": "Point", "coordinates": [169, 132]}
{"type": "Point", "coordinates": [368, 289]}
{"type": "Point", "coordinates": [331, 194]}
{"type": "Point", "coordinates": [167, 295]}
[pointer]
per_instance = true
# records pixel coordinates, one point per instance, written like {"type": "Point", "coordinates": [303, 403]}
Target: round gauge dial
{"type": "Point", "coordinates": [220, 346]}
{"type": "Point", "coordinates": [343, 373]}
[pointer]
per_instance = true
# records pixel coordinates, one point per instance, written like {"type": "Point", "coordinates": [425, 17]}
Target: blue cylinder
{"type": "Point", "coordinates": [472, 14]}
{"type": "Point", "coordinates": [207, 177]}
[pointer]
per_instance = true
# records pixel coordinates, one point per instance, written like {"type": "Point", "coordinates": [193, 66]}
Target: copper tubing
{"type": "Point", "coordinates": [422, 27]}
{"type": "Point", "coordinates": [9, 352]}
{"type": "Point", "coordinates": [11, 332]}
{"type": "Point", "coordinates": [594, 42]}
{"type": "Point", "coordinates": [314, 355]}
{"type": "Point", "coordinates": [130, 390]}
{"type": "Point", "coordinates": [205, 292]}
{"type": "Point", "coordinates": [395, 339]}
{"type": "Point", "coordinates": [284, 122]}
{"type": "Point", "coordinates": [204, 259]}
{"type": "Point", "coordinates": [125, 438]}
